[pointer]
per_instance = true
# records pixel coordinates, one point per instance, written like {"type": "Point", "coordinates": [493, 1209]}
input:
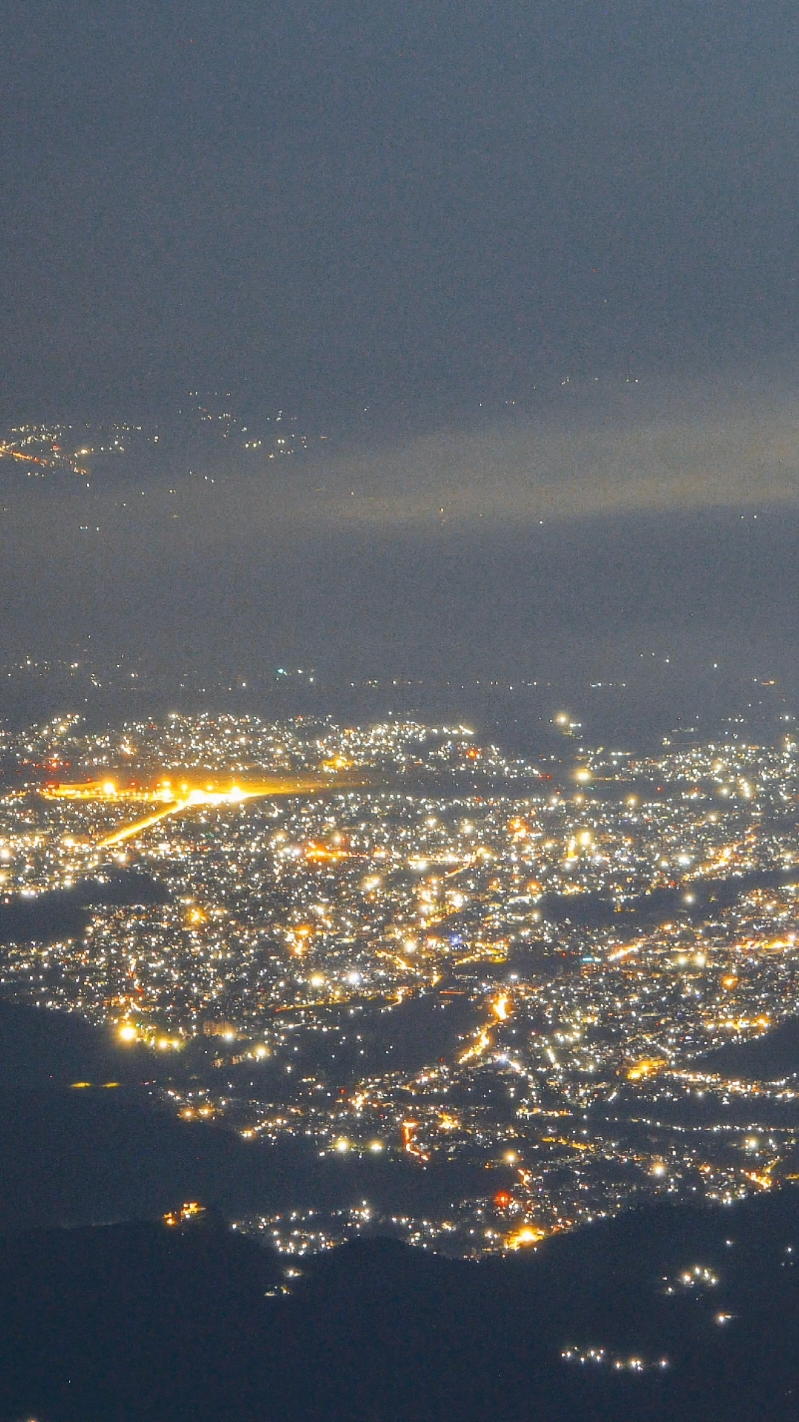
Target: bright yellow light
{"type": "Point", "coordinates": [482, 1043]}
{"type": "Point", "coordinates": [127, 1032]}
{"type": "Point", "coordinates": [341, 1145]}
{"type": "Point", "coordinates": [188, 1211]}
{"type": "Point", "coordinates": [649, 1066]}
{"type": "Point", "coordinates": [501, 1007]}
{"type": "Point", "coordinates": [526, 1236]}
{"type": "Point", "coordinates": [760, 1178]}
{"type": "Point", "coordinates": [190, 798]}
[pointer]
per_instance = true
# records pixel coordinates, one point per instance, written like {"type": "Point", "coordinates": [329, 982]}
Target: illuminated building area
{"type": "Point", "coordinates": [402, 949]}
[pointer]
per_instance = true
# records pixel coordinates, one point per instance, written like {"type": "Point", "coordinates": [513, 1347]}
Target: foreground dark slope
{"type": "Point", "coordinates": [138, 1323]}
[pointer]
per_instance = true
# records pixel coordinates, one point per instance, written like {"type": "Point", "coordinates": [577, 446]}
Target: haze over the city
{"type": "Point", "coordinates": [518, 283]}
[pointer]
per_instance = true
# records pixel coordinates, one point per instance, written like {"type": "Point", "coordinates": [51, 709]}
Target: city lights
{"type": "Point", "coordinates": [392, 941]}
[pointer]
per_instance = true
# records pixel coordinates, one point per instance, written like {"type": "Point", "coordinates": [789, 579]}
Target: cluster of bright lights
{"type": "Point", "coordinates": [603, 1358]}
{"type": "Point", "coordinates": [301, 919]}
{"type": "Point", "coordinates": [698, 1276]}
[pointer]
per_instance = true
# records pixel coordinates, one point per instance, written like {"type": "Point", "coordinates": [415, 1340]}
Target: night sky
{"type": "Point", "coordinates": [408, 198]}
{"type": "Point", "coordinates": [533, 265]}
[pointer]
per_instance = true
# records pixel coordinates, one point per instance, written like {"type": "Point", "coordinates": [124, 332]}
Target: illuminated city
{"type": "Point", "coordinates": [399, 712]}
{"type": "Point", "coordinates": [398, 942]}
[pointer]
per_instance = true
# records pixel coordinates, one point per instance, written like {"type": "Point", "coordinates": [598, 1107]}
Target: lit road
{"type": "Point", "coordinates": [294, 785]}
{"type": "Point", "coordinates": [175, 803]}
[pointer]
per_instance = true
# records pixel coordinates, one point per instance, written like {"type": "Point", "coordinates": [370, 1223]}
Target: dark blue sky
{"type": "Point", "coordinates": [380, 201]}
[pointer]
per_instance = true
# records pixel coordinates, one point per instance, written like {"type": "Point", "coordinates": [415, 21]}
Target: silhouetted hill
{"type": "Point", "coordinates": [694, 900]}
{"type": "Point", "coordinates": [767, 1058]}
{"type": "Point", "coordinates": [90, 1155]}
{"type": "Point", "coordinates": [65, 913]}
{"type": "Point", "coordinates": [140, 1323]}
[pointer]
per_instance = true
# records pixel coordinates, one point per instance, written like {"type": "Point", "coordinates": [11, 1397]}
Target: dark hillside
{"type": "Point", "coordinates": [143, 1323]}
